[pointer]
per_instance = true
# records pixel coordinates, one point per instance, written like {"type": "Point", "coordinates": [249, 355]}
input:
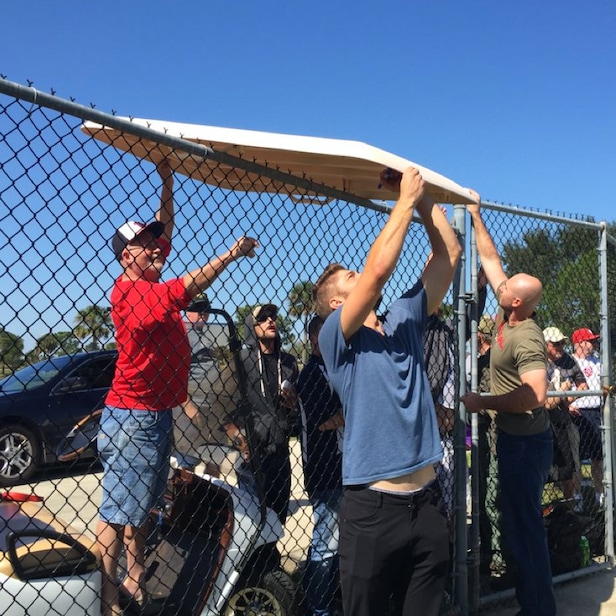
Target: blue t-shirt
{"type": "Point", "coordinates": [390, 422]}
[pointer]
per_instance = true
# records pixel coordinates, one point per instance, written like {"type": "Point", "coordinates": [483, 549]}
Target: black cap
{"type": "Point", "coordinates": [200, 303]}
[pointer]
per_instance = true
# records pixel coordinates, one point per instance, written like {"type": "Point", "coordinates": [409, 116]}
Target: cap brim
{"type": "Point", "coordinates": [200, 306]}
{"type": "Point", "coordinates": [156, 228]}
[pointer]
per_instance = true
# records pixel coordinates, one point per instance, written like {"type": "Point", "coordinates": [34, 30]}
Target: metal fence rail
{"type": "Point", "coordinates": [211, 550]}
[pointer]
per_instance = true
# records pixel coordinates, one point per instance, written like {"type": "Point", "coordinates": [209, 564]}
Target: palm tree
{"type": "Point", "coordinates": [93, 322]}
{"type": "Point", "coordinates": [301, 307]}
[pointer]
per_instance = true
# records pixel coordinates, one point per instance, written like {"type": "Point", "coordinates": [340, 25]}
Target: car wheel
{"type": "Point", "coordinates": [271, 595]}
{"type": "Point", "coordinates": [19, 454]}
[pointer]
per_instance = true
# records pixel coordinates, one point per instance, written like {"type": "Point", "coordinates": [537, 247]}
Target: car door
{"type": "Point", "coordinates": [80, 392]}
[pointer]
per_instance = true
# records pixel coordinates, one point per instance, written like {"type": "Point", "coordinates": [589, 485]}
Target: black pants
{"type": "Point", "coordinates": [276, 475]}
{"type": "Point", "coordinates": [588, 423]}
{"type": "Point", "coordinates": [486, 500]}
{"type": "Point", "coordinates": [393, 546]}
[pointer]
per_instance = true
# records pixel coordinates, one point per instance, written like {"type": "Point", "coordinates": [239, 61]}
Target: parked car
{"type": "Point", "coordinates": [40, 404]}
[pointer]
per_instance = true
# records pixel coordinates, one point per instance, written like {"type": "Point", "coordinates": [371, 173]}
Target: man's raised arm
{"type": "Point", "coordinates": [490, 259]}
{"type": "Point", "coordinates": [201, 278]}
{"type": "Point", "coordinates": [165, 213]}
{"type": "Point", "coordinates": [446, 251]}
{"type": "Point", "coordinates": [384, 253]}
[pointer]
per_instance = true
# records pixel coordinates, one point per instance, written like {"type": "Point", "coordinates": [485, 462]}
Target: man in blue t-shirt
{"type": "Point", "coordinates": [393, 532]}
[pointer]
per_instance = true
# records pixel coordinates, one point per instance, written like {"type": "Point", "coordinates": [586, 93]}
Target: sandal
{"type": "Point", "coordinates": [134, 604]}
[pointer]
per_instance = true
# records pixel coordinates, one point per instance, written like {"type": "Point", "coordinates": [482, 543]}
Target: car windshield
{"type": "Point", "coordinates": [33, 376]}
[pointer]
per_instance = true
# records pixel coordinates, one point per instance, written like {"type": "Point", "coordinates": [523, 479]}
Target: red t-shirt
{"type": "Point", "coordinates": [154, 352]}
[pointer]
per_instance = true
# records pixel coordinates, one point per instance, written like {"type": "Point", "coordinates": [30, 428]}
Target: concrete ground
{"type": "Point", "coordinates": [75, 499]}
{"type": "Point", "coordinates": [592, 595]}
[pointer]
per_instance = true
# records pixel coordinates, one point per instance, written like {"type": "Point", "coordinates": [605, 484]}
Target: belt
{"type": "Point", "coordinates": [428, 493]}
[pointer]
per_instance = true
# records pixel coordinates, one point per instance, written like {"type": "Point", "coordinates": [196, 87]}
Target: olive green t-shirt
{"type": "Point", "coordinates": [516, 350]}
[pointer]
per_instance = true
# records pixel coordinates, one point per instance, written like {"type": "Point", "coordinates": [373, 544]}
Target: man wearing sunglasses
{"type": "Point", "coordinates": [260, 427]}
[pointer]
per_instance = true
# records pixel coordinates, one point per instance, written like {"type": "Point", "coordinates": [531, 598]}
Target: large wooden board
{"type": "Point", "coordinates": [350, 166]}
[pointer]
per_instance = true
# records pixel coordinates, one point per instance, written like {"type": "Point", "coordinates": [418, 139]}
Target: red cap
{"type": "Point", "coordinates": [579, 335]}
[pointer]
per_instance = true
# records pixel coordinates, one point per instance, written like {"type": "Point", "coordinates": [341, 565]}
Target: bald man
{"type": "Point", "coordinates": [518, 369]}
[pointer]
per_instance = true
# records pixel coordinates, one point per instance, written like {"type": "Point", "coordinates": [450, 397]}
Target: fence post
{"type": "Point", "coordinates": [608, 407]}
{"type": "Point", "coordinates": [460, 465]}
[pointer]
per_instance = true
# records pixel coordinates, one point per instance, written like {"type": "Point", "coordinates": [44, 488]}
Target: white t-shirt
{"type": "Point", "coordinates": [591, 368]}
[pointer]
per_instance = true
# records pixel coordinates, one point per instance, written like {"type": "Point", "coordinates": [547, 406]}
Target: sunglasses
{"type": "Point", "coordinates": [264, 317]}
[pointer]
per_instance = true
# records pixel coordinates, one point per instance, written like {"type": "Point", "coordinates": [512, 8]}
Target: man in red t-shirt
{"type": "Point", "coordinates": [136, 429]}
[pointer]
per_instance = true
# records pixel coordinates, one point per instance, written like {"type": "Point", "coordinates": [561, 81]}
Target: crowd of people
{"type": "Point", "coordinates": [373, 408]}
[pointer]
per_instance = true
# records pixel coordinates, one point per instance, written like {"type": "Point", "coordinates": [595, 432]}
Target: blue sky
{"type": "Point", "coordinates": [513, 99]}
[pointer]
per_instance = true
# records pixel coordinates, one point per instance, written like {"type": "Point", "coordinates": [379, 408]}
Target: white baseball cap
{"type": "Point", "coordinates": [553, 334]}
{"type": "Point", "coordinates": [129, 231]}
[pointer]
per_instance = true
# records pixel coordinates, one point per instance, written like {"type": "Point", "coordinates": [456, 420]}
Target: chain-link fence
{"type": "Point", "coordinates": [233, 533]}
{"type": "Point", "coordinates": [574, 259]}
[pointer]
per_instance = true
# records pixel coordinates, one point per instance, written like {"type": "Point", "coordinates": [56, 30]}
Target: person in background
{"type": "Point", "coordinates": [321, 417]}
{"type": "Point", "coordinates": [194, 423]}
{"type": "Point", "coordinates": [493, 552]}
{"type": "Point", "coordinates": [563, 375]}
{"type": "Point", "coordinates": [587, 410]}
{"type": "Point", "coordinates": [441, 366]}
{"type": "Point", "coordinates": [260, 427]}
{"type": "Point", "coordinates": [486, 447]}
{"type": "Point", "coordinates": [439, 358]}
{"type": "Point", "coordinates": [136, 432]}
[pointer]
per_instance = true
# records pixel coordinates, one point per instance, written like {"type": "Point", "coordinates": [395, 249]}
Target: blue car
{"type": "Point", "coordinates": [41, 403]}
